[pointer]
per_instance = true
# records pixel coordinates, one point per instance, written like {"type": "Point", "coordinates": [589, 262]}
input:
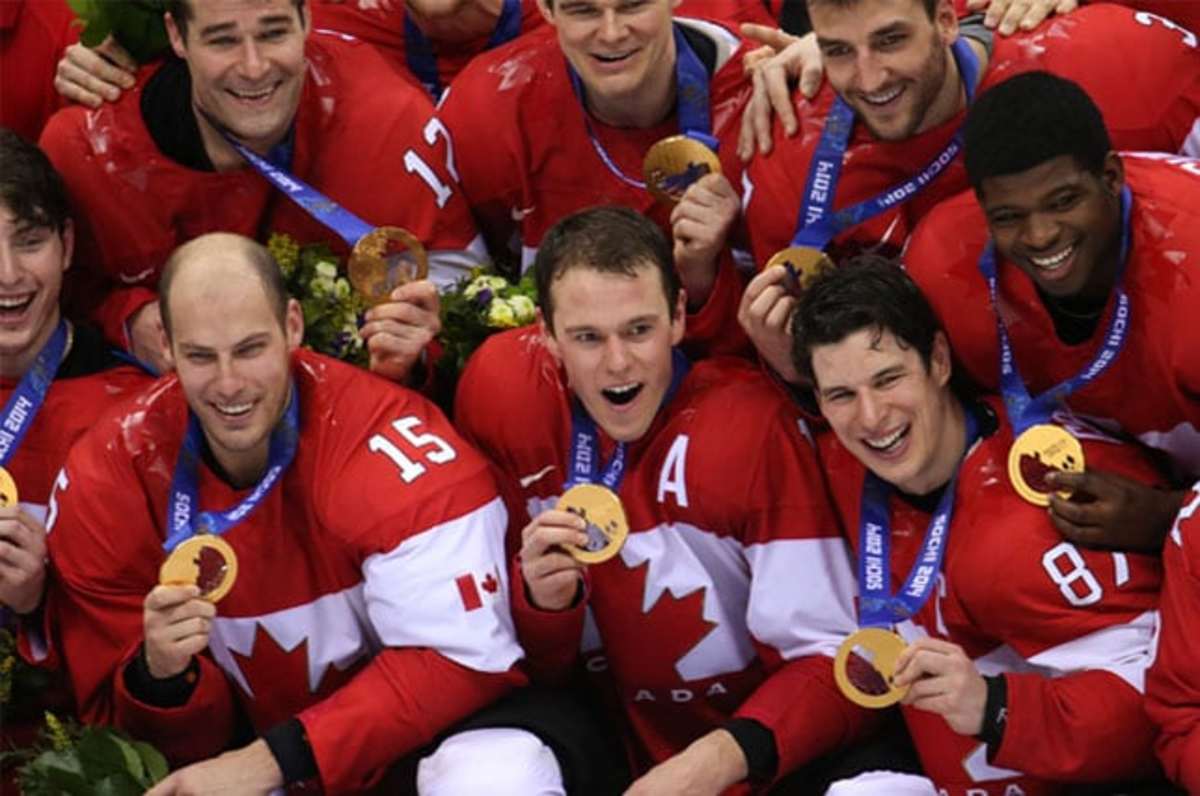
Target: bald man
{"type": "Point", "coordinates": [334, 559]}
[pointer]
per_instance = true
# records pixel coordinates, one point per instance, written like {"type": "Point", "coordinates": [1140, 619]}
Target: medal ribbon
{"type": "Point", "coordinates": [691, 104]}
{"type": "Point", "coordinates": [184, 521]}
{"type": "Point", "coordinates": [348, 226]}
{"type": "Point", "coordinates": [876, 606]}
{"type": "Point", "coordinates": [585, 440]}
{"type": "Point", "coordinates": [418, 51]}
{"type": "Point", "coordinates": [818, 224]}
{"type": "Point", "coordinates": [1024, 410]}
{"type": "Point", "coordinates": [30, 393]}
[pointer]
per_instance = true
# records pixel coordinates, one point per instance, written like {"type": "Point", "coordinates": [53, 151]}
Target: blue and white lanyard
{"type": "Point", "coordinates": [184, 519]}
{"type": "Point", "coordinates": [1024, 410]}
{"type": "Point", "coordinates": [818, 223]}
{"type": "Point", "coordinates": [691, 105]}
{"type": "Point", "coordinates": [30, 393]}
{"type": "Point", "coordinates": [878, 607]}
{"type": "Point", "coordinates": [418, 51]}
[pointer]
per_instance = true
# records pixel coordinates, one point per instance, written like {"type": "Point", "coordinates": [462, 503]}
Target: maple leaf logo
{"type": "Point", "coordinates": [281, 679]}
{"type": "Point", "coordinates": [675, 624]}
{"type": "Point", "coordinates": [490, 584]}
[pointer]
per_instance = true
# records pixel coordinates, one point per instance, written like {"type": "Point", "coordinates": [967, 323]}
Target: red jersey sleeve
{"type": "Point", "coordinates": [98, 524]}
{"type": "Point", "coordinates": [1173, 684]}
{"type": "Point", "coordinates": [418, 505]}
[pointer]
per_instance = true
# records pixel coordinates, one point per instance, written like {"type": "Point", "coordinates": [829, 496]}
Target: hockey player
{"type": "Point", "coordinates": [1024, 656]}
{"type": "Point", "coordinates": [355, 545]}
{"type": "Point", "coordinates": [720, 663]}
{"type": "Point", "coordinates": [155, 169]}
{"type": "Point", "coordinates": [1090, 252]}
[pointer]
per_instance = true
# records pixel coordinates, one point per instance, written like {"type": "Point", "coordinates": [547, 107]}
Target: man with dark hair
{"type": "Point", "coordinates": [162, 165]}
{"type": "Point", "coordinates": [879, 144]}
{"type": "Point", "coordinates": [621, 78]}
{"type": "Point", "coordinates": [1023, 655]}
{"type": "Point", "coordinates": [56, 379]}
{"type": "Point", "coordinates": [354, 542]}
{"type": "Point", "coordinates": [1090, 252]}
{"type": "Point", "coordinates": [721, 667]}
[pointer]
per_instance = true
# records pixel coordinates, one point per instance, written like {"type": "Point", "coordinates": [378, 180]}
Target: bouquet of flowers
{"type": "Point", "coordinates": [137, 25]}
{"type": "Point", "coordinates": [480, 305]}
{"type": "Point", "coordinates": [332, 309]}
{"type": "Point", "coordinates": [86, 760]}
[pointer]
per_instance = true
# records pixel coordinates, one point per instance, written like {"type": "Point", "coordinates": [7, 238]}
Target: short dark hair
{"type": "Point", "coordinates": [1028, 120]}
{"type": "Point", "coordinates": [181, 11]}
{"type": "Point", "coordinates": [866, 292]}
{"type": "Point", "coordinates": [930, 6]}
{"type": "Point", "coordinates": [610, 239]}
{"type": "Point", "coordinates": [29, 186]}
{"type": "Point", "coordinates": [257, 257]}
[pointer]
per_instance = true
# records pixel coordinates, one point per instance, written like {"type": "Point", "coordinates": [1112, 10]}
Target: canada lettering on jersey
{"type": "Point", "coordinates": [678, 695]}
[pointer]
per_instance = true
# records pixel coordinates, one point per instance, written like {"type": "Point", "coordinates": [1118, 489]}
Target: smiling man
{"type": "Point", "coordinates": [1026, 656]}
{"type": "Point", "coordinates": [157, 167]}
{"type": "Point", "coordinates": [1093, 255]}
{"type": "Point", "coordinates": [721, 666]}
{"type": "Point", "coordinates": [899, 81]}
{"type": "Point", "coordinates": [572, 112]}
{"type": "Point", "coordinates": [363, 608]}
{"type": "Point", "coordinates": [56, 380]}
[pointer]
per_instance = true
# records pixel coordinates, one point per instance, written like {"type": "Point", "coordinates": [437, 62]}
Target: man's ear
{"type": "Point", "coordinates": [175, 35]}
{"type": "Point", "coordinates": [940, 360]}
{"type": "Point", "coordinates": [1113, 173]}
{"type": "Point", "coordinates": [548, 338]}
{"type": "Point", "coordinates": [68, 243]}
{"type": "Point", "coordinates": [293, 324]}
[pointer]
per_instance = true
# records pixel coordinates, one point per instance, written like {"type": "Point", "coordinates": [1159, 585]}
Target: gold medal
{"type": "Point", "coordinates": [864, 667]}
{"type": "Point", "coordinates": [8, 489]}
{"type": "Point", "coordinates": [1040, 450]}
{"type": "Point", "coordinates": [804, 263]}
{"type": "Point", "coordinates": [384, 259]}
{"type": "Point", "coordinates": [674, 163]}
{"type": "Point", "coordinates": [204, 560]}
{"type": "Point", "coordinates": [607, 527]}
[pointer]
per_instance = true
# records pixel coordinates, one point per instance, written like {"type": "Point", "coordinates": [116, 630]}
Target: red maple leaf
{"type": "Point", "coordinates": [490, 584]}
{"type": "Point", "coordinates": [212, 566]}
{"type": "Point", "coordinates": [644, 647]}
{"type": "Point", "coordinates": [279, 680]}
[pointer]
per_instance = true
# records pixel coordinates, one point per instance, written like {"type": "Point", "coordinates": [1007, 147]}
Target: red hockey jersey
{"type": "Point", "coordinates": [371, 600]}
{"type": "Point", "coordinates": [354, 132]}
{"type": "Point", "coordinates": [1070, 629]}
{"type": "Point", "coordinates": [523, 168]}
{"type": "Point", "coordinates": [1163, 338]}
{"type": "Point", "coordinates": [33, 35]}
{"type": "Point", "coordinates": [1173, 683]}
{"type": "Point", "coordinates": [699, 618]}
{"type": "Point", "coordinates": [381, 23]}
{"type": "Point", "coordinates": [1078, 46]}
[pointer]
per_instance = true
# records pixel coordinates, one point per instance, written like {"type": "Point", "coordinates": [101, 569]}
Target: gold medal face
{"type": "Point", "coordinates": [8, 489]}
{"type": "Point", "coordinates": [674, 163]}
{"type": "Point", "coordinates": [803, 262]}
{"type": "Point", "coordinates": [607, 527]}
{"type": "Point", "coordinates": [384, 259]}
{"type": "Point", "coordinates": [1039, 450]}
{"type": "Point", "coordinates": [204, 560]}
{"type": "Point", "coordinates": [864, 667]}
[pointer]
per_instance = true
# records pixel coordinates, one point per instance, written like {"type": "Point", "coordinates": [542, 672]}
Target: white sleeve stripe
{"type": "Point", "coordinates": [1126, 650]}
{"type": "Point", "coordinates": [802, 595]}
{"type": "Point", "coordinates": [1191, 146]}
{"type": "Point", "coordinates": [415, 599]}
{"type": "Point", "coordinates": [448, 266]}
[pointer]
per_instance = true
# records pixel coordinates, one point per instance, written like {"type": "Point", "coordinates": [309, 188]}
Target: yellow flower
{"type": "Point", "coordinates": [524, 308]}
{"type": "Point", "coordinates": [59, 738]}
{"type": "Point", "coordinates": [500, 315]}
{"type": "Point", "coordinates": [482, 283]}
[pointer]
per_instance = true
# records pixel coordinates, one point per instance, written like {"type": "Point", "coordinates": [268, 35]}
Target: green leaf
{"type": "Point", "coordinates": [153, 761]}
{"type": "Point", "coordinates": [63, 772]}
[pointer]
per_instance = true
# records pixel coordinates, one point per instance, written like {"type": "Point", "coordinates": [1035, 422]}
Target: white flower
{"type": "Point", "coordinates": [482, 283]}
{"type": "Point", "coordinates": [326, 269]}
{"type": "Point", "coordinates": [500, 315]}
{"type": "Point", "coordinates": [524, 309]}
